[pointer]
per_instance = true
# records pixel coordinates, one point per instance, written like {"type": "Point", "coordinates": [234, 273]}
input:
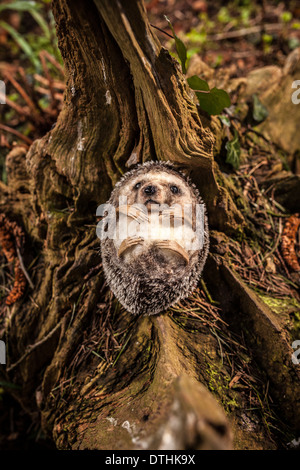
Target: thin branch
{"type": "Point", "coordinates": [15, 106]}
{"type": "Point", "coordinates": [270, 28]}
{"type": "Point", "coordinates": [22, 92]}
{"type": "Point", "coordinates": [16, 133]}
{"type": "Point", "coordinates": [32, 347]}
{"type": "Point", "coordinates": [162, 31]}
{"type": "Point", "coordinates": [24, 269]}
{"type": "Point", "coordinates": [53, 62]}
{"type": "Point", "coordinates": [49, 78]}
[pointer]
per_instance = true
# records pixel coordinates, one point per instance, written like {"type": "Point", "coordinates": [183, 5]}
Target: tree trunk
{"type": "Point", "coordinates": [101, 378]}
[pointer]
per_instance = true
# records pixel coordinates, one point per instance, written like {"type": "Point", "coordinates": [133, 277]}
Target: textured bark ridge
{"type": "Point", "coordinates": [99, 377]}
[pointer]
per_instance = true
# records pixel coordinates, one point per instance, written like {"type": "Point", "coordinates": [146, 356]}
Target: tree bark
{"type": "Point", "coordinates": [99, 377]}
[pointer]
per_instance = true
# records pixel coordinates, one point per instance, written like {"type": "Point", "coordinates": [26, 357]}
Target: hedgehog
{"type": "Point", "coordinates": [150, 273]}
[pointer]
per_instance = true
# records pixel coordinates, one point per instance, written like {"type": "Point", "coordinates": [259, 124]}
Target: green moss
{"type": "Point", "coordinates": [284, 305]}
{"type": "Point", "coordinates": [297, 320]}
{"type": "Point", "coordinates": [218, 384]}
{"type": "Point", "coordinates": [288, 309]}
{"type": "Point", "coordinates": [58, 213]}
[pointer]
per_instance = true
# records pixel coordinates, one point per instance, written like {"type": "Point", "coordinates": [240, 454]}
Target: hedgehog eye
{"type": "Point", "coordinates": [137, 186]}
{"type": "Point", "coordinates": [174, 189]}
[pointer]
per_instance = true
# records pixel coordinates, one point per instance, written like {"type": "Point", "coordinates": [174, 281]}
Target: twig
{"type": "Point", "coordinates": [44, 81]}
{"type": "Point", "coordinates": [53, 62]}
{"type": "Point", "coordinates": [275, 244]}
{"type": "Point", "coordinates": [162, 31]}
{"type": "Point", "coordinates": [274, 214]}
{"type": "Point", "coordinates": [22, 92]}
{"type": "Point", "coordinates": [47, 73]}
{"type": "Point", "coordinates": [245, 32]}
{"type": "Point", "coordinates": [44, 91]}
{"type": "Point", "coordinates": [24, 269]}
{"type": "Point", "coordinates": [16, 133]}
{"type": "Point", "coordinates": [264, 162]}
{"type": "Point", "coordinates": [15, 106]}
{"type": "Point", "coordinates": [206, 292]}
{"type": "Point", "coordinates": [29, 90]}
{"type": "Point", "coordinates": [32, 347]}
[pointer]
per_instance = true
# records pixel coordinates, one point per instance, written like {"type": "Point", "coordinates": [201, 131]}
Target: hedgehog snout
{"type": "Point", "coordinates": [150, 190]}
{"type": "Point", "coordinates": [150, 193]}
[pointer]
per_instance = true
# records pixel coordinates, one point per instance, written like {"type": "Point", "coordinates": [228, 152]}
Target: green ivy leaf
{"type": "Point", "coordinates": [197, 83]}
{"type": "Point", "coordinates": [233, 151]}
{"type": "Point", "coordinates": [212, 101]}
{"type": "Point", "coordinates": [180, 47]}
{"type": "Point", "coordinates": [260, 112]}
{"type": "Point", "coordinates": [215, 101]}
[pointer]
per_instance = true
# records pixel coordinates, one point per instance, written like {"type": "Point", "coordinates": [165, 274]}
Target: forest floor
{"type": "Point", "coordinates": [234, 36]}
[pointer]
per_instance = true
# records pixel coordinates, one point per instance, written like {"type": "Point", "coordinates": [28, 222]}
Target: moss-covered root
{"type": "Point", "coordinates": [162, 407]}
{"type": "Point", "coordinates": [265, 333]}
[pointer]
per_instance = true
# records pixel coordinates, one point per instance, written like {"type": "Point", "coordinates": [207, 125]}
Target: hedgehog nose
{"type": "Point", "coordinates": [150, 190]}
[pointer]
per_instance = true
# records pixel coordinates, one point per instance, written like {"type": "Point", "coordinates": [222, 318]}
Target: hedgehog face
{"type": "Point", "coordinates": [147, 274]}
{"type": "Point", "coordinates": [157, 187]}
